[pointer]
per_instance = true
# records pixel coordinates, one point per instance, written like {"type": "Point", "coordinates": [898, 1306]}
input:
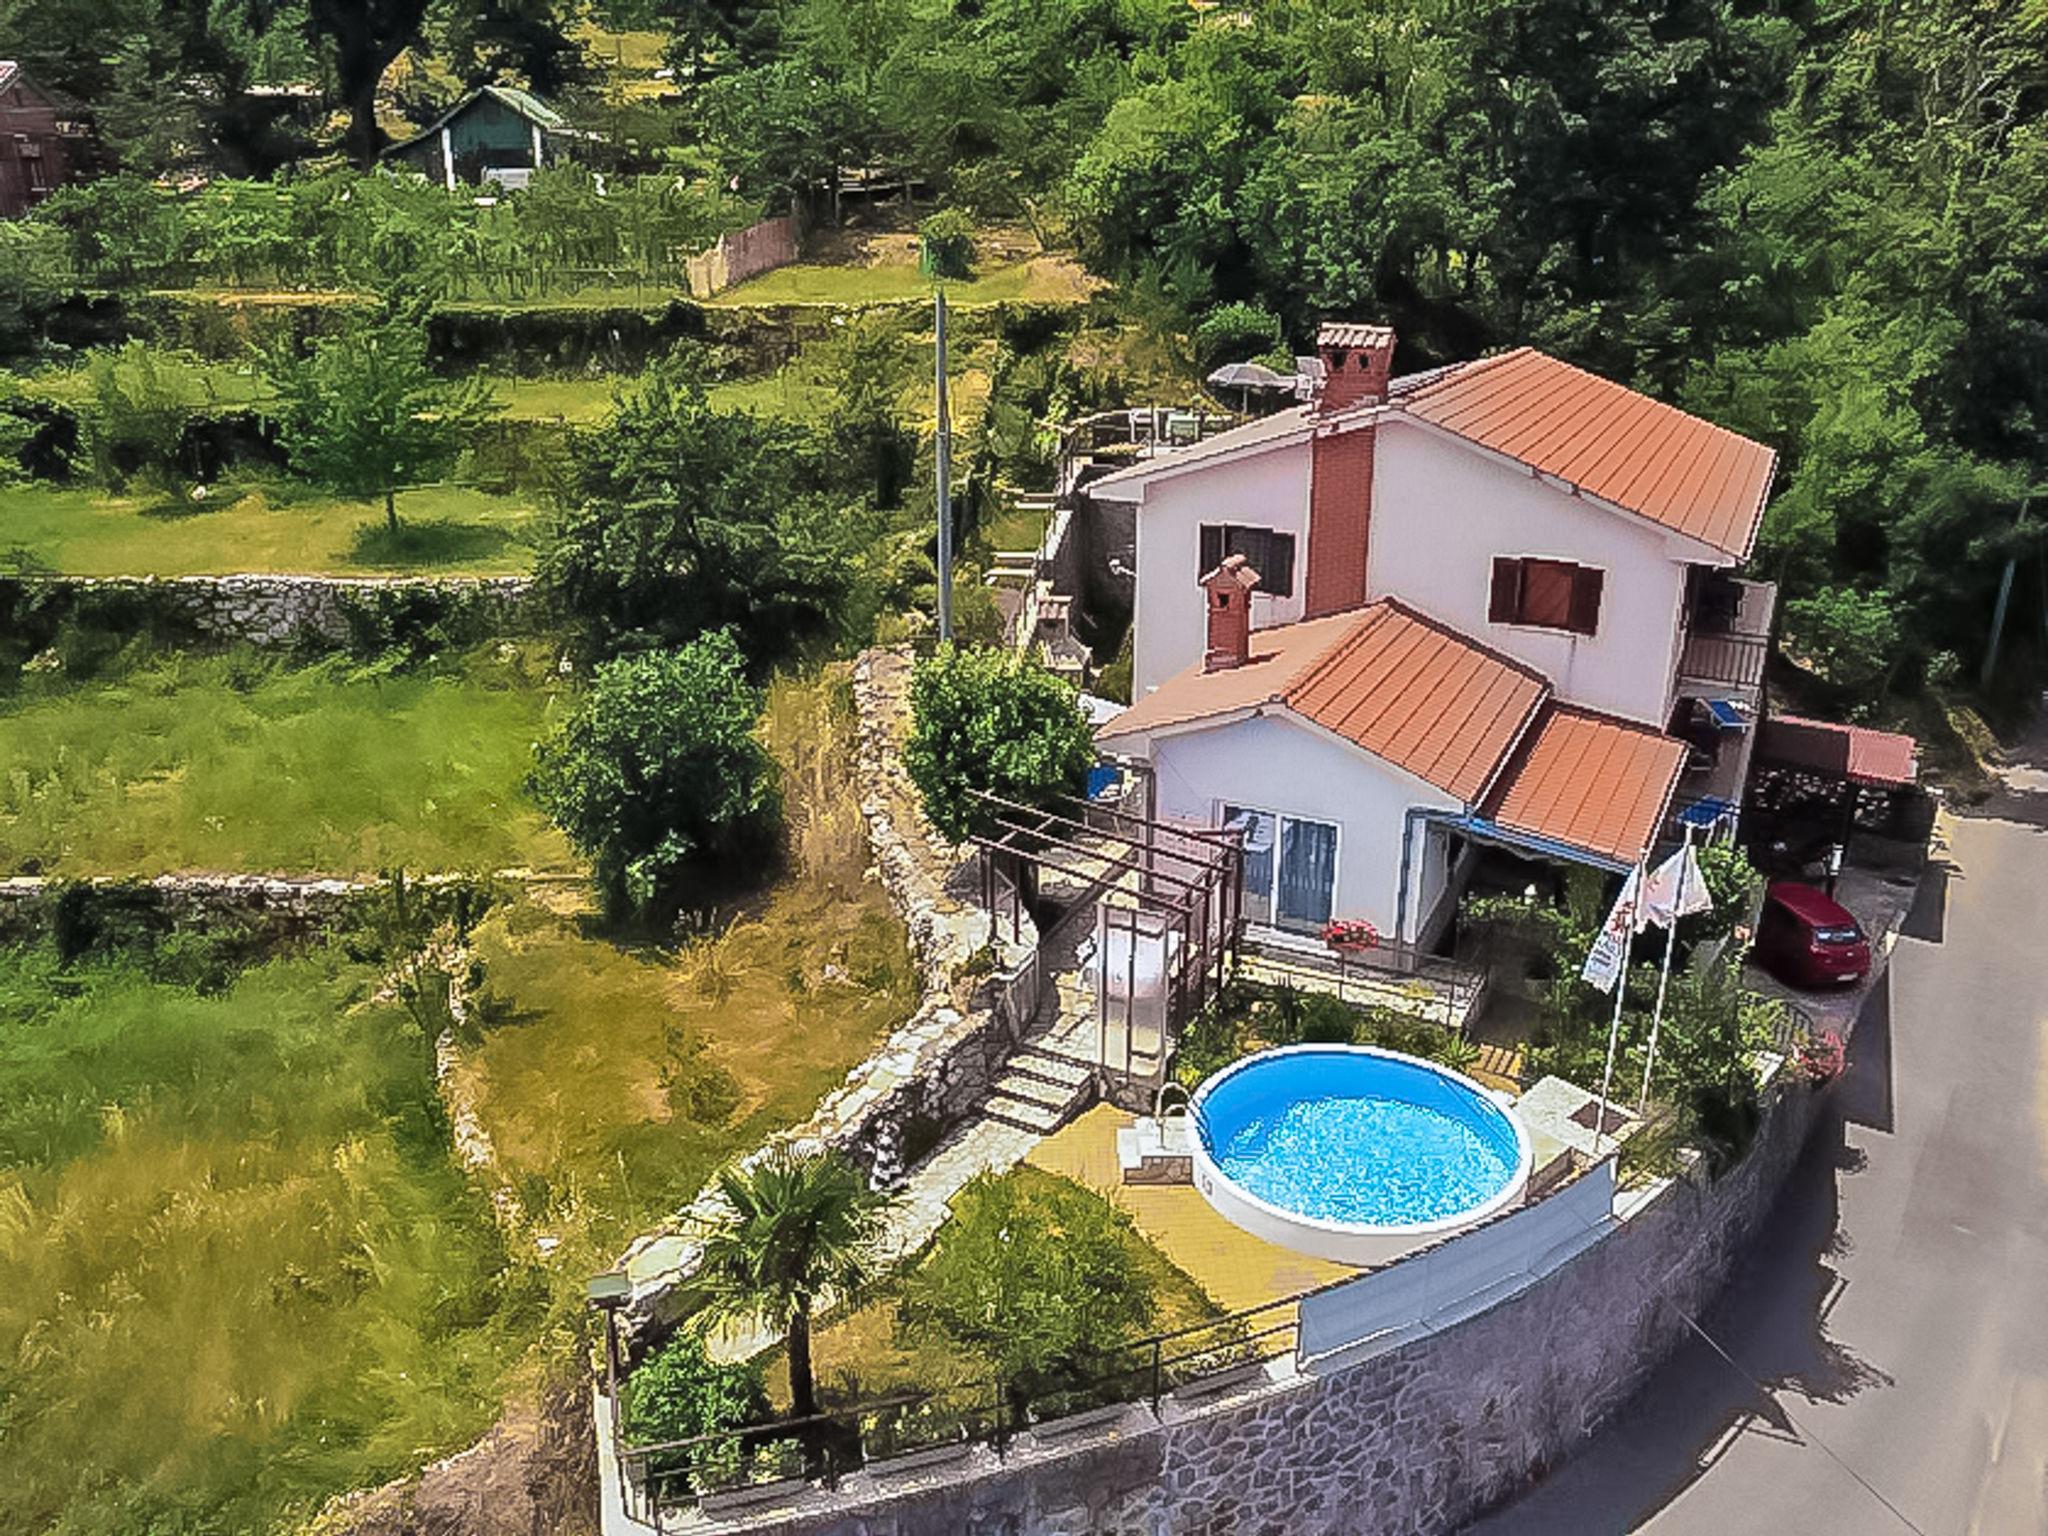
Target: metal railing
{"type": "Point", "coordinates": [1454, 986]}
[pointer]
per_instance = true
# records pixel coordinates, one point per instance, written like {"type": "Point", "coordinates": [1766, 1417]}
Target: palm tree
{"type": "Point", "coordinates": [802, 1224]}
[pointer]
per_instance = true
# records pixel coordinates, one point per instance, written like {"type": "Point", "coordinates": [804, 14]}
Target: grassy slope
{"type": "Point", "coordinates": [232, 763]}
{"type": "Point", "coordinates": [253, 528]}
{"type": "Point", "coordinates": [1047, 280]}
{"type": "Point", "coordinates": [242, 1273]}
{"type": "Point", "coordinates": [241, 1269]}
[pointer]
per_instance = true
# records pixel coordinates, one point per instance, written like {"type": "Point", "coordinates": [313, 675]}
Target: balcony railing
{"type": "Point", "coordinates": [1728, 635]}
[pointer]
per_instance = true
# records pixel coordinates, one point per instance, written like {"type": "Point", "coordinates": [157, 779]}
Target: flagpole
{"type": "Point", "coordinates": [1664, 978]}
{"type": "Point", "coordinates": [1620, 992]}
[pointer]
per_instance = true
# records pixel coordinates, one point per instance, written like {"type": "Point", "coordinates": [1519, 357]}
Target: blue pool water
{"type": "Point", "coordinates": [1349, 1136]}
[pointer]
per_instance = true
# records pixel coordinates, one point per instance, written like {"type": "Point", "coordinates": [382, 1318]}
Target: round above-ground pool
{"type": "Point", "coordinates": [1351, 1153]}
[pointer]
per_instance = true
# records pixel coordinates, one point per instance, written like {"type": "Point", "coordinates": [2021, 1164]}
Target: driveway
{"type": "Point", "coordinates": [1886, 1341]}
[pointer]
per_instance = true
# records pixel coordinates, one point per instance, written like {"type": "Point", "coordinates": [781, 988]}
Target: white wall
{"type": "Point", "coordinates": [1265, 490]}
{"type": "Point", "coordinates": [1273, 764]}
{"type": "Point", "coordinates": [1442, 512]}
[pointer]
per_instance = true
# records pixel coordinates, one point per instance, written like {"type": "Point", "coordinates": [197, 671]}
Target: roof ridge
{"type": "Point", "coordinates": [1460, 372]}
{"type": "Point", "coordinates": [1515, 663]}
{"type": "Point", "coordinates": [1348, 640]}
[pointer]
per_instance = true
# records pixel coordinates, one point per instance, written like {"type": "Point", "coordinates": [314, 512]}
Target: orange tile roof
{"type": "Point", "coordinates": [1401, 686]}
{"type": "Point", "coordinates": [1589, 780]}
{"type": "Point", "coordinates": [1640, 454]}
{"type": "Point", "coordinates": [1853, 752]}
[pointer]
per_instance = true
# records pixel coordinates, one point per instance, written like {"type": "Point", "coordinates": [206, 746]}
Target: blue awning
{"type": "Point", "coordinates": [1103, 779]}
{"type": "Point", "coordinates": [1725, 714]}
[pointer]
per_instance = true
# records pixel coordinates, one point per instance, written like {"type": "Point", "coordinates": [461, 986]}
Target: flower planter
{"type": "Point", "coordinates": [1081, 1423]}
{"type": "Point", "coordinates": [747, 1495]}
{"type": "Point", "coordinates": [923, 1459]}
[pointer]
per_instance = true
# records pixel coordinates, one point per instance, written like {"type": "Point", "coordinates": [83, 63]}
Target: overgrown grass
{"type": "Point", "coordinates": [242, 1272]}
{"type": "Point", "coordinates": [244, 763]}
{"type": "Point", "coordinates": [245, 527]}
{"type": "Point", "coordinates": [1037, 280]}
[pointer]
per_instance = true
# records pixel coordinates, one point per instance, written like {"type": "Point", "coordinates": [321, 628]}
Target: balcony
{"type": "Point", "coordinates": [1728, 636]}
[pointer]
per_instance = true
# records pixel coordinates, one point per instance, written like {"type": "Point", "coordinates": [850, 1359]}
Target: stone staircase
{"type": "Point", "coordinates": [1050, 1076]}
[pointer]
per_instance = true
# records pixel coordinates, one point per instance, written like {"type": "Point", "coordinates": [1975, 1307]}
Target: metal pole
{"type": "Point", "coordinates": [1620, 992]}
{"type": "Point", "coordinates": [945, 473]}
{"type": "Point", "coordinates": [1998, 609]}
{"type": "Point", "coordinates": [1664, 977]}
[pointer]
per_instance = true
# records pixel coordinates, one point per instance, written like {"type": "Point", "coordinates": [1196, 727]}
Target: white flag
{"type": "Point", "coordinates": [1604, 961]}
{"type": "Point", "coordinates": [1676, 889]}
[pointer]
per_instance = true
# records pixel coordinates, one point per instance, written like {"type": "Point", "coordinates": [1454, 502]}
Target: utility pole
{"type": "Point", "coordinates": [945, 466]}
{"type": "Point", "coordinates": [1998, 609]}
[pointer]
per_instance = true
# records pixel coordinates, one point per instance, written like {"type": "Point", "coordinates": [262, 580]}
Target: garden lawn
{"type": "Point", "coordinates": [264, 528]}
{"type": "Point", "coordinates": [244, 763]}
{"type": "Point", "coordinates": [242, 1270]}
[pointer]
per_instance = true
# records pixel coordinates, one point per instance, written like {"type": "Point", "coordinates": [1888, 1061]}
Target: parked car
{"type": "Point", "coordinates": [1806, 938]}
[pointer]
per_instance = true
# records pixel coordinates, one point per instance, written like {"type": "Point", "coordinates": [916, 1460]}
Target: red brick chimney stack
{"type": "Point", "coordinates": [1357, 362]}
{"type": "Point", "coordinates": [1228, 590]}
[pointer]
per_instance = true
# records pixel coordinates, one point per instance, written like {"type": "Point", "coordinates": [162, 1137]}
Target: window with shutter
{"type": "Point", "coordinates": [1545, 594]}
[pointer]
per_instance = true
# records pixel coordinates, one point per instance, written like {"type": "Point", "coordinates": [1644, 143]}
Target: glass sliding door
{"type": "Point", "coordinates": [1290, 867]}
{"type": "Point", "coordinates": [1308, 873]}
{"type": "Point", "coordinates": [1260, 831]}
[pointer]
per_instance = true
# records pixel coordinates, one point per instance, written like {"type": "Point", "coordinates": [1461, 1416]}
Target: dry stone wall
{"type": "Point", "coordinates": [292, 610]}
{"type": "Point", "coordinates": [278, 910]}
{"type": "Point", "coordinates": [1418, 1440]}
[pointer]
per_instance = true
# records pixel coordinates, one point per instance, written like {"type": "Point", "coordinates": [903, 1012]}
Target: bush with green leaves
{"type": "Point", "coordinates": [679, 1392]}
{"type": "Point", "coordinates": [991, 722]}
{"type": "Point", "coordinates": [946, 241]}
{"type": "Point", "coordinates": [658, 774]}
{"type": "Point", "coordinates": [1037, 1279]}
{"type": "Point", "coordinates": [134, 422]}
{"type": "Point", "coordinates": [1238, 333]}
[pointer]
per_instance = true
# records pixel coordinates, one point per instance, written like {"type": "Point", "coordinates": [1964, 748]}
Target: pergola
{"type": "Point", "coordinates": [1167, 911]}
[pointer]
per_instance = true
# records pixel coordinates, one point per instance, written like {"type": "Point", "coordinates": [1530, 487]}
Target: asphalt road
{"type": "Point", "coordinates": [1889, 1332]}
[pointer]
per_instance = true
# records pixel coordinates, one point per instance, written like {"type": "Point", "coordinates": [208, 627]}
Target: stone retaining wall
{"type": "Point", "coordinates": [1418, 1440]}
{"type": "Point", "coordinates": [278, 910]}
{"type": "Point", "coordinates": [290, 610]}
{"type": "Point", "coordinates": [938, 1066]}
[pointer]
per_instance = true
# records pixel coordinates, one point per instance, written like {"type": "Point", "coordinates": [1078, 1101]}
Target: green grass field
{"type": "Point", "coordinates": [258, 527]}
{"type": "Point", "coordinates": [243, 1272]}
{"type": "Point", "coordinates": [243, 764]}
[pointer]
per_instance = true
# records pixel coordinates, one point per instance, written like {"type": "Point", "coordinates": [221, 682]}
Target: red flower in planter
{"type": "Point", "coordinates": [1350, 933]}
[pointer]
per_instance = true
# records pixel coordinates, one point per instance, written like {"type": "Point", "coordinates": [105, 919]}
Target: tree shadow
{"type": "Point", "coordinates": [1772, 1321]}
{"type": "Point", "coordinates": [424, 544]}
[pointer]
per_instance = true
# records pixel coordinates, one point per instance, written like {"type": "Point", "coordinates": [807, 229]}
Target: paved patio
{"type": "Point", "coordinates": [1235, 1268]}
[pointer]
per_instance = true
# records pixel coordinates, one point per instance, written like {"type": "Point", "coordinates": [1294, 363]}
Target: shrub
{"type": "Point", "coordinates": [1850, 638]}
{"type": "Point", "coordinates": [658, 771]}
{"type": "Point", "coordinates": [946, 241]}
{"type": "Point", "coordinates": [993, 722]}
{"type": "Point", "coordinates": [1236, 333]}
{"type": "Point", "coordinates": [680, 1392]}
{"type": "Point", "coordinates": [134, 424]}
{"type": "Point", "coordinates": [1037, 1278]}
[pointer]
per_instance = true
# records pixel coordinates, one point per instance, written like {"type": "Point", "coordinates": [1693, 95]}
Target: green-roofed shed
{"type": "Point", "coordinates": [493, 133]}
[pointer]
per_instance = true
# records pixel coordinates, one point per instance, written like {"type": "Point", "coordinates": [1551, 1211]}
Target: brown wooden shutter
{"type": "Point", "coordinates": [1586, 585]}
{"type": "Point", "coordinates": [1504, 606]}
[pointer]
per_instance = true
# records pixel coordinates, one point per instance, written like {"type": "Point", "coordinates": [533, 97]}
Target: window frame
{"type": "Point", "coordinates": [1271, 894]}
{"type": "Point", "coordinates": [1267, 587]}
{"type": "Point", "coordinates": [1583, 605]}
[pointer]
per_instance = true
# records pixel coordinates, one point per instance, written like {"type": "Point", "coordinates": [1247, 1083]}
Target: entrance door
{"type": "Point", "coordinates": [1308, 873]}
{"type": "Point", "coordinates": [1260, 831]}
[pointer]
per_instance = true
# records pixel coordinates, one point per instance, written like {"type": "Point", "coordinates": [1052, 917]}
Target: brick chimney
{"type": "Point", "coordinates": [1227, 593]}
{"type": "Point", "coordinates": [1357, 362]}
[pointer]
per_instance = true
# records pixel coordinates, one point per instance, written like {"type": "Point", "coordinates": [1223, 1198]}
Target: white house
{"type": "Point", "coordinates": [1489, 603]}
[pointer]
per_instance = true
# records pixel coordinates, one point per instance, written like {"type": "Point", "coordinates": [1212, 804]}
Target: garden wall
{"type": "Point", "coordinates": [741, 254]}
{"type": "Point", "coordinates": [1418, 1439]}
{"type": "Point", "coordinates": [369, 612]}
{"type": "Point", "coordinates": [269, 910]}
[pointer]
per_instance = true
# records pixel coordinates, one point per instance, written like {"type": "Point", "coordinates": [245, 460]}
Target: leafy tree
{"type": "Point", "coordinates": [689, 519]}
{"type": "Point", "coordinates": [360, 39]}
{"type": "Point", "coordinates": [995, 722]}
{"type": "Point", "coordinates": [528, 38]}
{"type": "Point", "coordinates": [1035, 1277]}
{"type": "Point", "coordinates": [1850, 638]}
{"type": "Point", "coordinates": [868, 362]}
{"type": "Point", "coordinates": [363, 412]}
{"type": "Point", "coordinates": [947, 243]}
{"type": "Point", "coordinates": [142, 402]}
{"type": "Point", "coordinates": [657, 772]}
{"type": "Point", "coordinates": [802, 1226]}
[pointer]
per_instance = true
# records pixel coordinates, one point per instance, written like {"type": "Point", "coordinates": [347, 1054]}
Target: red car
{"type": "Point", "coordinates": [1806, 938]}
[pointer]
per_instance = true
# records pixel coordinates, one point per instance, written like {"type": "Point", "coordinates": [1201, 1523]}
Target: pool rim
{"type": "Point", "coordinates": [1511, 1193]}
